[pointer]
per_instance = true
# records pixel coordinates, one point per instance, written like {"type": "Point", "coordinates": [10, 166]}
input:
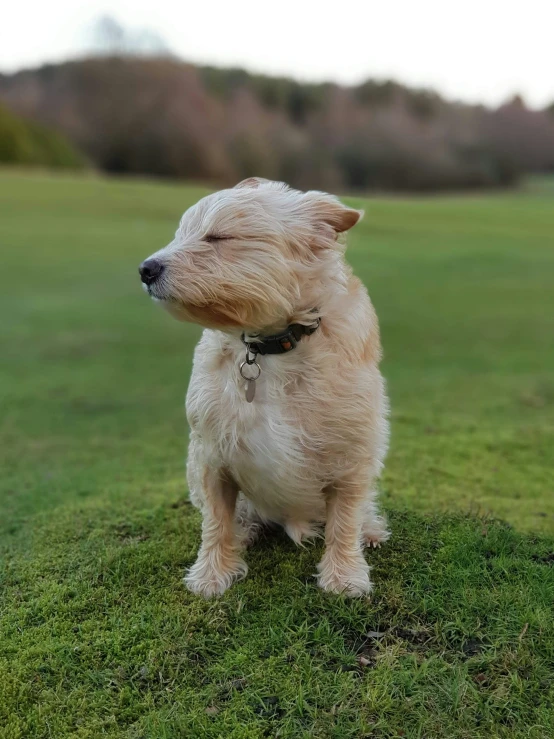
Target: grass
{"type": "Point", "coordinates": [97, 635]}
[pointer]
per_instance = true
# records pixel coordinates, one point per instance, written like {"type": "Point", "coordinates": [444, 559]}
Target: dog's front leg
{"type": "Point", "coordinates": [343, 568]}
{"type": "Point", "coordinates": [218, 564]}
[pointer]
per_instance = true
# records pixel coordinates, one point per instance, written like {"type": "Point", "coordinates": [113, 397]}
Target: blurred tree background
{"type": "Point", "coordinates": [27, 142]}
{"type": "Point", "coordinates": [130, 107]}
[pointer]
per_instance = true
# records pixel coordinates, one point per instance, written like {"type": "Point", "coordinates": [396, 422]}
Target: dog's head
{"type": "Point", "coordinates": [249, 258]}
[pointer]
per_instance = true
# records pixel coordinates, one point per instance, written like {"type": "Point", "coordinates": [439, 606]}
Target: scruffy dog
{"type": "Point", "coordinates": [286, 405]}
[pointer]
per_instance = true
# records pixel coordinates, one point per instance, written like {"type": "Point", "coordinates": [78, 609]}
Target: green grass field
{"type": "Point", "coordinates": [98, 636]}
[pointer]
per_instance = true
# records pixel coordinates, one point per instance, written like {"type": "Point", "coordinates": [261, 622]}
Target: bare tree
{"type": "Point", "coordinates": [107, 37]}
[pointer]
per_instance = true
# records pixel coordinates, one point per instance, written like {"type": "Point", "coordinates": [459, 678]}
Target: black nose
{"type": "Point", "coordinates": [150, 270]}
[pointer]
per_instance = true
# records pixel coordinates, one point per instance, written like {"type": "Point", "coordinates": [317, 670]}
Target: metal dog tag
{"type": "Point", "coordinates": [250, 386]}
{"type": "Point", "coordinates": [250, 390]}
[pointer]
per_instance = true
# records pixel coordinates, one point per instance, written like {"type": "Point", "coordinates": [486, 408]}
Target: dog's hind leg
{"type": "Point", "coordinates": [374, 527]}
{"type": "Point", "coordinates": [249, 523]}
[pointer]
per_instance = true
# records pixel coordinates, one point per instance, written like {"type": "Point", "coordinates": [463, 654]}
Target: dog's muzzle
{"type": "Point", "coordinates": [150, 270]}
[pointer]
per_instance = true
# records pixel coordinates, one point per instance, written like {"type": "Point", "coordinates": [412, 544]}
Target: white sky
{"type": "Point", "coordinates": [474, 50]}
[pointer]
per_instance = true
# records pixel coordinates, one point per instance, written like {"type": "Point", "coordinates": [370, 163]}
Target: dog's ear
{"type": "Point", "coordinates": [329, 210]}
{"type": "Point", "coordinates": [252, 182]}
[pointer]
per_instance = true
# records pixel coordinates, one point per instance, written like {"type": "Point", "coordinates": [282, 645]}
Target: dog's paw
{"type": "Point", "coordinates": [375, 533]}
{"type": "Point", "coordinates": [206, 580]}
{"type": "Point", "coordinates": [248, 532]}
{"type": "Point", "coordinates": [347, 577]}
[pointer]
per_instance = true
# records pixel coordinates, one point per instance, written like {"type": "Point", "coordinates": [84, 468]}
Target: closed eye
{"type": "Point", "coordinates": [212, 238]}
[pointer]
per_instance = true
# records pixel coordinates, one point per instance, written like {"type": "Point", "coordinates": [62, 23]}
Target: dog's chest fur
{"type": "Point", "coordinates": [266, 445]}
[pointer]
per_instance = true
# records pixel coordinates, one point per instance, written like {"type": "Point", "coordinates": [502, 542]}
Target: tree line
{"type": "Point", "coordinates": [164, 117]}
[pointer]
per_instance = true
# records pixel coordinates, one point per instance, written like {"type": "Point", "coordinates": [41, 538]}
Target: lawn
{"type": "Point", "coordinates": [98, 636]}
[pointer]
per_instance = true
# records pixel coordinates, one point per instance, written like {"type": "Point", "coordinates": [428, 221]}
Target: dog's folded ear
{"type": "Point", "coordinates": [328, 209]}
{"type": "Point", "coordinates": [251, 182]}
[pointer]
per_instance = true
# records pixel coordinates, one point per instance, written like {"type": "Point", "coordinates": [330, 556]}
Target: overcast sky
{"type": "Point", "coordinates": [475, 50]}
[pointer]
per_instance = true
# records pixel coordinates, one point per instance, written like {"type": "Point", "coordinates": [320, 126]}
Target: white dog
{"type": "Point", "coordinates": [286, 404]}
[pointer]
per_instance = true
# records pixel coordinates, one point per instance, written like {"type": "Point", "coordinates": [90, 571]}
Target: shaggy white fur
{"type": "Point", "coordinates": [308, 450]}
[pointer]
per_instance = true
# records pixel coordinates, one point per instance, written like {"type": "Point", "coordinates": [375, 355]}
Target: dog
{"type": "Point", "coordinates": [286, 404]}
